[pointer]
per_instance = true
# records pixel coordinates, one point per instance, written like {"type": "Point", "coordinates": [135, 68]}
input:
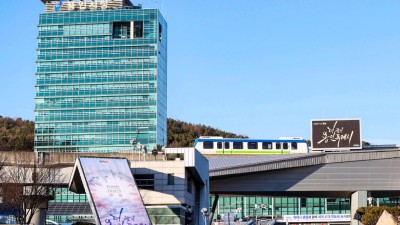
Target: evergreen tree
{"type": "Point", "coordinates": [183, 134]}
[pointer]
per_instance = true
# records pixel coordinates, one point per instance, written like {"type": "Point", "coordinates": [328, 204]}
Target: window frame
{"type": "Point", "coordinates": [237, 145]}
{"type": "Point", "coordinates": [252, 145]}
{"type": "Point", "coordinates": [207, 146]}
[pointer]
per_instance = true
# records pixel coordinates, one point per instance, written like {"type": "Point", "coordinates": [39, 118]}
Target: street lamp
{"type": "Point", "coordinates": [136, 145]}
{"type": "Point", "coordinates": [255, 212]}
{"type": "Point", "coordinates": [204, 211]}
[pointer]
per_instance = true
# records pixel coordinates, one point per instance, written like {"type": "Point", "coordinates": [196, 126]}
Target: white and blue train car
{"type": "Point", "coordinates": [244, 146]}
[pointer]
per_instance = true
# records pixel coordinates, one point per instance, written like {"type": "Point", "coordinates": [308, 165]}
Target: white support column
{"type": "Point", "coordinates": [132, 31]}
{"type": "Point", "coordinates": [358, 199]}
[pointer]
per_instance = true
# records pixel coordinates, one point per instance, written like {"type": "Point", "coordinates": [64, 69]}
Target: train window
{"type": "Point", "coordinates": [226, 145]}
{"type": "Point", "coordinates": [285, 145]}
{"type": "Point", "coordinates": [267, 145]}
{"type": "Point", "coordinates": [208, 145]}
{"type": "Point", "coordinates": [294, 145]}
{"type": "Point", "coordinates": [278, 145]}
{"type": "Point", "coordinates": [219, 145]}
{"type": "Point", "coordinates": [237, 145]}
{"type": "Point", "coordinates": [252, 145]}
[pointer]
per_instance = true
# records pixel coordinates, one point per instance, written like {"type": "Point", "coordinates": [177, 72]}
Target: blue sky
{"type": "Point", "coordinates": [262, 69]}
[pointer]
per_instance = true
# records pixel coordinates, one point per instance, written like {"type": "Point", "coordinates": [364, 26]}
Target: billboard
{"type": "Point", "coordinates": [336, 134]}
{"type": "Point", "coordinates": [112, 191]}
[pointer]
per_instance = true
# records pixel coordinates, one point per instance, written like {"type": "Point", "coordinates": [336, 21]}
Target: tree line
{"type": "Point", "coordinates": [18, 134]}
{"type": "Point", "coordinates": [183, 134]}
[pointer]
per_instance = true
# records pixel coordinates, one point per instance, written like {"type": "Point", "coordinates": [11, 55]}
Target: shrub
{"type": "Point", "coordinates": [370, 215]}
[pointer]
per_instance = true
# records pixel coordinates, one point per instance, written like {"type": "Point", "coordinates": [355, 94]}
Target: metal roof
{"type": "Point", "coordinates": [247, 160]}
{"type": "Point", "coordinates": [231, 165]}
{"type": "Point", "coordinates": [69, 208]}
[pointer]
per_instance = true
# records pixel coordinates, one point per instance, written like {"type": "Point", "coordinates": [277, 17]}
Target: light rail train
{"type": "Point", "coordinates": [219, 145]}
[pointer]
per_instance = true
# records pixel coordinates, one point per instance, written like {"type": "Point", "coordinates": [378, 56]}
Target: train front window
{"type": "Point", "coordinates": [285, 145]}
{"type": "Point", "coordinates": [267, 145]}
{"type": "Point", "coordinates": [294, 145]}
{"type": "Point", "coordinates": [226, 145]}
{"type": "Point", "coordinates": [252, 145]}
{"type": "Point", "coordinates": [278, 145]}
{"type": "Point", "coordinates": [219, 145]}
{"type": "Point", "coordinates": [237, 145]}
{"type": "Point", "coordinates": [208, 145]}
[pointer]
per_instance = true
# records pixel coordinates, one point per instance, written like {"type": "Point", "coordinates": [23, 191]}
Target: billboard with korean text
{"type": "Point", "coordinates": [336, 134]}
{"type": "Point", "coordinates": [112, 191]}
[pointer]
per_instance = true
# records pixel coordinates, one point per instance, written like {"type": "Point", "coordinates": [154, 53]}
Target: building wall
{"type": "Point", "coordinates": [169, 188]}
{"type": "Point", "coordinates": [164, 193]}
{"type": "Point", "coordinates": [101, 80]}
{"type": "Point", "coordinates": [341, 178]}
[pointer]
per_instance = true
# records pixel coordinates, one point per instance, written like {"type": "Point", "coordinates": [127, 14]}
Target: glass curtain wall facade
{"type": "Point", "coordinates": [101, 80]}
{"type": "Point", "coordinates": [279, 206]}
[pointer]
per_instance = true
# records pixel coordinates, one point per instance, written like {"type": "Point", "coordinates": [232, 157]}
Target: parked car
{"type": "Point", "coordinates": [251, 222]}
{"type": "Point", "coordinates": [244, 219]}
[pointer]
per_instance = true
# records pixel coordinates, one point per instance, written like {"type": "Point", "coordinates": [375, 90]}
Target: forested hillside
{"type": "Point", "coordinates": [182, 134]}
{"type": "Point", "coordinates": [17, 134]}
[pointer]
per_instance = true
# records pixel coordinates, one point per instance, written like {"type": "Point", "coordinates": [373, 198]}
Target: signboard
{"type": "Point", "coordinates": [58, 6]}
{"type": "Point", "coordinates": [112, 191]}
{"type": "Point", "coordinates": [317, 218]}
{"type": "Point", "coordinates": [336, 134]}
{"type": "Point", "coordinates": [83, 5]}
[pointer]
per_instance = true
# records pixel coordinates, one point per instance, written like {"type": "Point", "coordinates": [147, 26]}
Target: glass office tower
{"type": "Point", "coordinates": [101, 77]}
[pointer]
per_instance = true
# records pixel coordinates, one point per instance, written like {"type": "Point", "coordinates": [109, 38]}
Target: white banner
{"type": "Point", "coordinates": [112, 191]}
{"type": "Point", "coordinates": [317, 218]}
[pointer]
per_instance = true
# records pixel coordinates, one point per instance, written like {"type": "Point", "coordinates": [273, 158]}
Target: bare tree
{"type": "Point", "coordinates": [3, 159]}
{"type": "Point", "coordinates": [26, 184]}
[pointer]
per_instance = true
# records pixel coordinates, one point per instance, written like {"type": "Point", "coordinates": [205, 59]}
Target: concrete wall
{"type": "Point", "coordinates": [163, 194]}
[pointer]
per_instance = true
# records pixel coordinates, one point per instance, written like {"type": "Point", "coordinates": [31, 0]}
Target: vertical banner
{"type": "Point", "coordinates": [112, 191]}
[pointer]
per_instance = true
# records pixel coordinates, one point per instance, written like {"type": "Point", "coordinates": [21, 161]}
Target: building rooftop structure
{"type": "Point", "coordinates": [71, 5]}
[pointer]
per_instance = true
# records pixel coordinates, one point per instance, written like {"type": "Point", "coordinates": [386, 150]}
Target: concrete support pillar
{"type": "Point", "coordinates": [39, 218]}
{"type": "Point", "coordinates": [358, 199]}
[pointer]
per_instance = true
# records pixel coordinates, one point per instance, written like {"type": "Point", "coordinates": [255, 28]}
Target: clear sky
{"type": "Point", "coordinates": [262, 68]}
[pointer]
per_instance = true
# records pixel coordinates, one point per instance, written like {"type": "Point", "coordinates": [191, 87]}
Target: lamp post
{"type": "Point", "coordinates": [154, 152]}
{"type": "Point", "coordinates": [204, 211]}
{"type": "Point", "coordinates": [133, 143]}
{"type": "Point", "coordinates": [136, 145]}
{"type": "Point", "coordinates": [255, 212]}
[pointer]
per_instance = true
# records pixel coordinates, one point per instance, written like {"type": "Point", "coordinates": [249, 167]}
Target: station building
{"type": "Point", "coordinates": [174, 187]}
